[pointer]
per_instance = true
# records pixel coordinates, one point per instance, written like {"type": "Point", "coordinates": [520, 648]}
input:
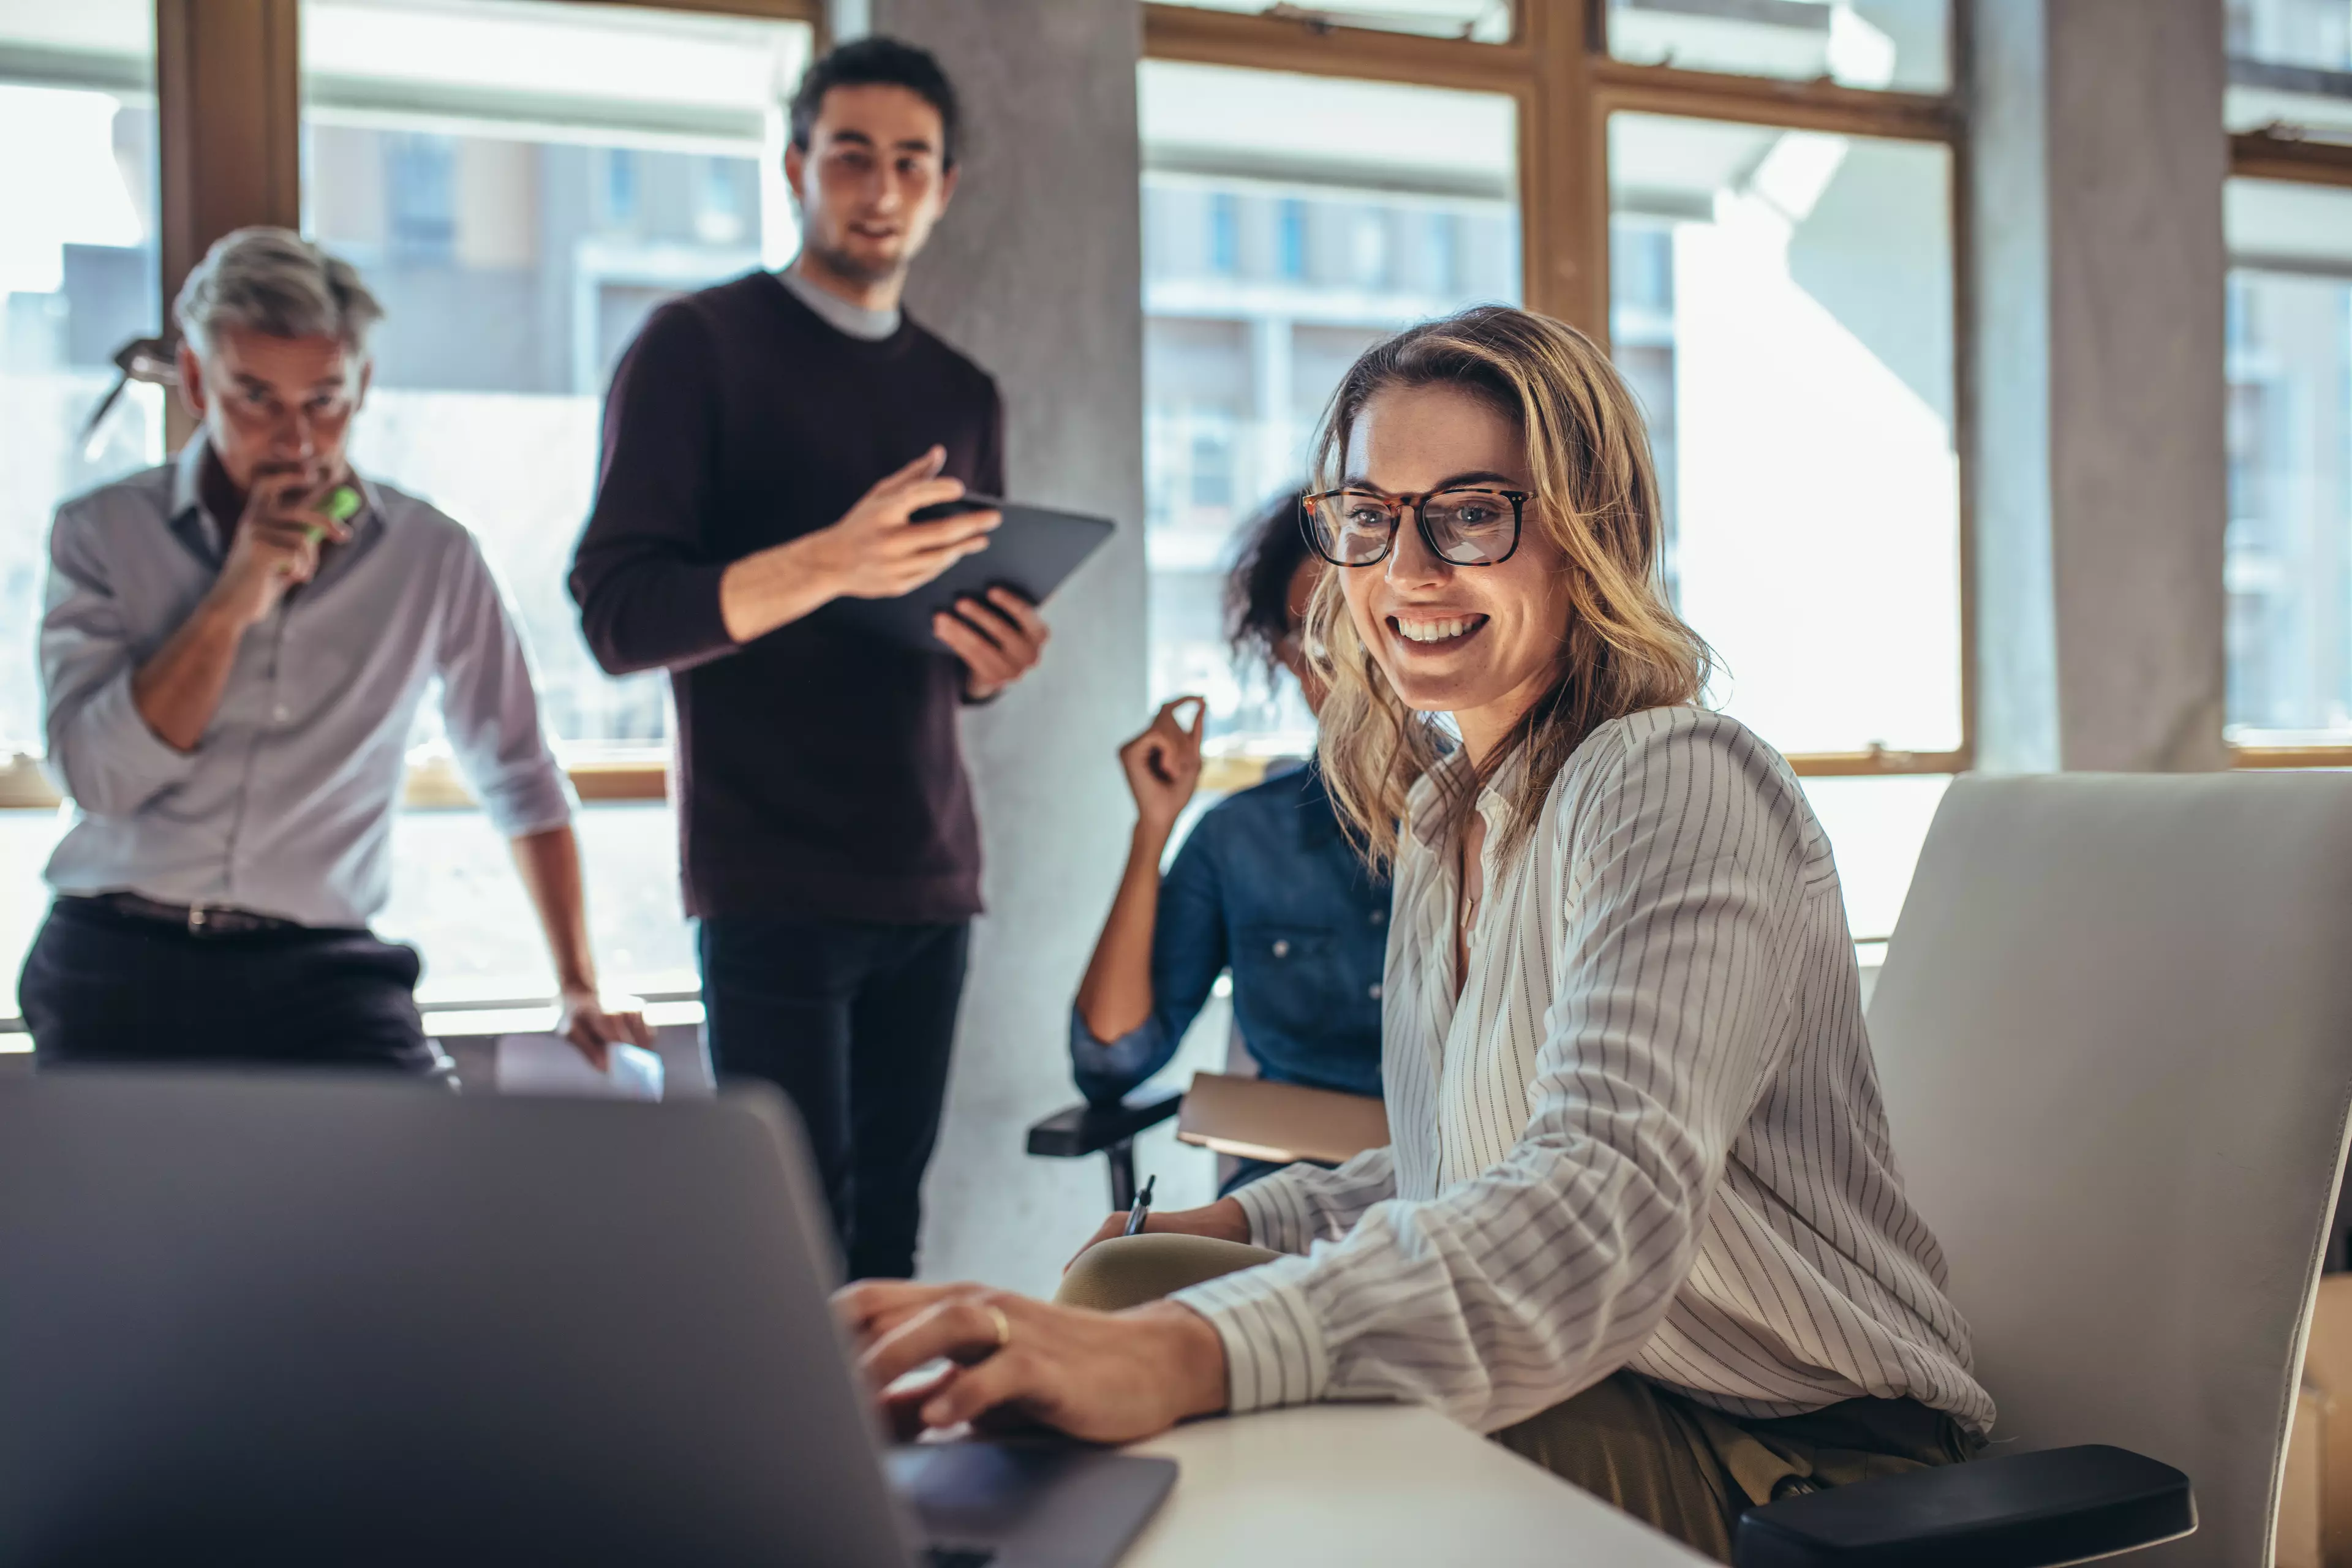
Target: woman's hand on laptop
{"type": "Point", "coordinates": [1106, 1378]}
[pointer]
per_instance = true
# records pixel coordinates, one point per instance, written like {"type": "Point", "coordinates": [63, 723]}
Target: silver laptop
{"type": "Point", "coordinates": [283, 1319]}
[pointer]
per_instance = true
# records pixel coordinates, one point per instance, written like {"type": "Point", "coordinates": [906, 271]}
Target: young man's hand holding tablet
{"type": "Point", "coordinates": [982, 605]}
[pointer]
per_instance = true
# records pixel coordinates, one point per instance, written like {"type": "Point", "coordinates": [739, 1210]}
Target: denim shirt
{"type": "Point", "coordinates": [1267, 886]}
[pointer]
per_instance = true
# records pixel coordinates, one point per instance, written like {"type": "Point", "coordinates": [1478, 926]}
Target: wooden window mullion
{"type": "Point", "coordinates": [228, 99]}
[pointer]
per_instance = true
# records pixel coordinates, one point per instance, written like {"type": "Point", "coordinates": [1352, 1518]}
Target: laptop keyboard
{"type": "Point", "coordinates": [957, 1557]}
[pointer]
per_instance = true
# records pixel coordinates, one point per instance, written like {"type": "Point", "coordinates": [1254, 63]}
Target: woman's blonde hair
{"type": "Point", "coordinates": [1596, 498]}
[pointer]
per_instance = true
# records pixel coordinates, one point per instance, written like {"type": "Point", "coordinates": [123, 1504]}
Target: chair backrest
{"type": "Point", "coordinates": [2115, 1033]}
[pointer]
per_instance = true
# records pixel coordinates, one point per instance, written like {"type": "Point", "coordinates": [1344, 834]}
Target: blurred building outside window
{"type": "Point", "coordinates": [1289, 222]}
{"type": "Point", "coordinates": [522, 183]}
{"type": "Point", "coordinates": [77, 279]}
{"type": "Point", "coordinates": [526, 179]}
{"type": "Point", "coordinates": [1903, 44]}
{"type": "Point", "coordinates": [1782, 306]}
{"type": "Point", "coordinates": [2290, 63]}
{"type": "Point", "coordinates": [2288, 551]}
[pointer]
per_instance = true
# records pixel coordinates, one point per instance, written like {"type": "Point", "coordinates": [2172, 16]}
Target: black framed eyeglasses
{"type": "Point", "coordinates": [1470, 526]}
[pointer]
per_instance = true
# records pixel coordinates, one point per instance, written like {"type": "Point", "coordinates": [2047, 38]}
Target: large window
{"type": "Point", "coordinates": [456, 896]}
{"type": "Point", "coordinates": [1782, 302]}
{"type": "Point", "coordinates": [523, 180]}
{"type": "Point", "coordinates": [522, 183]}
{"type": "Point", "coordinates": [2290, 64]}
{"type": "Point", "coordinates": [1769, 250]}
{"type": "Point", "coordinates": [2288, 221]}
{"type": "Point", "coordinates": [1901, 44]}
{"type": "Point", "coordinates": [1289, 222]}
{"type": "Point", "coordinates": [2289, 562]}
{"type": "Point", "coordinates": [77, 280]}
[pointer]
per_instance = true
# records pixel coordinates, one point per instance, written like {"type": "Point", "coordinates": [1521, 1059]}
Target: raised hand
{"type": "Point", "coordinates": [1163, 763]}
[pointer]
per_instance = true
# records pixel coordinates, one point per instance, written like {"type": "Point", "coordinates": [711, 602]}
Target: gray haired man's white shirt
{"type": "Point", "coordinates": [284, 806]}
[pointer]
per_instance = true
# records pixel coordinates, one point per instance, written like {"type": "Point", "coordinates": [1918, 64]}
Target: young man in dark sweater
{"type": "Point", "coordinates": [765, 443]}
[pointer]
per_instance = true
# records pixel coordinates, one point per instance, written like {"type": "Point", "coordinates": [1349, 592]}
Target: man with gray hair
{"type": "Point", "coordinates": [232, 652]}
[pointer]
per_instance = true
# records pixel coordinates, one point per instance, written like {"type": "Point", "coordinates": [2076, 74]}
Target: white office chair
{"type": "Point", "coordinates": [2114, 1033]}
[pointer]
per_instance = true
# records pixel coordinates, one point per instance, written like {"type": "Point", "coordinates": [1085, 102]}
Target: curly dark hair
{"type": "Point", "coordinates": [1257, 589]}
{"type": "Point", "coordinates": [879, 61]}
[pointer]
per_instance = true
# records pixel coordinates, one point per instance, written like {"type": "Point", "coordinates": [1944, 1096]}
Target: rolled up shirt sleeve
{"type": "Point", "coordinates": [489, 707]}
{"type": "Point", "coordinates": [1106, 1069]}
{"type": "Point", "coordinates": [101, 750]}
{"type": "Point", "coordinates": [1301, 1205]}
{"type": "Point", "coordinates": [1517, 1287]}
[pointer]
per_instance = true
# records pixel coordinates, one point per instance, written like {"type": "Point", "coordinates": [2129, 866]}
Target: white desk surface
{"type": "Point", "coordinates": [1366, 1484]}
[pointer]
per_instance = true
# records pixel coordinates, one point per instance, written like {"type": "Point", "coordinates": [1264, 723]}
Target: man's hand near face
{"type": "Point", "coordinates": [278, 543]}
{"type": "Point", "coordinates": [998, 639]}
{"type": "Point", "coordinates": [279, 537]}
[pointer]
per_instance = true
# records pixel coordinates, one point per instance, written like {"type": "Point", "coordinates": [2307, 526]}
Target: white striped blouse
{"type": "Point", "coordinates": [1648, 1135]}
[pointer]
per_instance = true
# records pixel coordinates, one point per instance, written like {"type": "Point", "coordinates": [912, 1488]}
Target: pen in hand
{"type": "Point", "coordinates": [1142, 1206]}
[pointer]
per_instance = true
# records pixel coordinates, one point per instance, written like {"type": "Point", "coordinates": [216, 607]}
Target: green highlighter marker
{"type": "Point", "coordinates": [342, 506]}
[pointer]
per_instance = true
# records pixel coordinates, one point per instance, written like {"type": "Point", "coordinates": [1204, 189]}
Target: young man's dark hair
{"type": "Point", "coordinates": [879, 62]}
{"type": "Point", "coordinates": [1257, 589]}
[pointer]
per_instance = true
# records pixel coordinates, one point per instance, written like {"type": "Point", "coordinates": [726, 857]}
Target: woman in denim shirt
{"type": "Point", "coordinates": [1266, 885]}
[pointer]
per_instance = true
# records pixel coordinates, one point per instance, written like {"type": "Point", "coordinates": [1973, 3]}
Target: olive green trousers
{"type": "Point", "coordinates": [1688, 1469]}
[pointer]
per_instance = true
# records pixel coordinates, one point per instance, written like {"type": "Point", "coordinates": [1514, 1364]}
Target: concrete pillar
{"type": "Point", "coordinates": [1035, 272]}
{"type": "Point", "coordinates": [2099, 269]}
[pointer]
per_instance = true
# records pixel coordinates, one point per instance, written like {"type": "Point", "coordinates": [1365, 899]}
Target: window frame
{"type": "Point", "coordinates": [2270, 154]}
{"type": "Point", "coordinates": [228, 90]}
{"type": "Point", "coordinates": [228, 86]}
{"type": "Point", "coordinates": [1556, 68]}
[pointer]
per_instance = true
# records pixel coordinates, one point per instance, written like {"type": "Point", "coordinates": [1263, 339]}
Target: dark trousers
{"type": "Point", "coordinates": [104, 987]}
{"type": "Point", "coordinates": [852, 1021]}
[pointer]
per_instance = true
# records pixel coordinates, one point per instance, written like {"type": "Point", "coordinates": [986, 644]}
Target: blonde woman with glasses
{"type": "Point", "coordinates": [1639, 1219]}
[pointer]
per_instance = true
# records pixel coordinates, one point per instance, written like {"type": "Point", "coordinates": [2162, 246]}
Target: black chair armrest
{"type": "Point", "coordinates": [2019, 1511]}
{"type": "Point", "coordinates": [1080, 1129]}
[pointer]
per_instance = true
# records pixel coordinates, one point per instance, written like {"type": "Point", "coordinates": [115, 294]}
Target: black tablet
{"type": "Point", "coordinates": [1030, 552]}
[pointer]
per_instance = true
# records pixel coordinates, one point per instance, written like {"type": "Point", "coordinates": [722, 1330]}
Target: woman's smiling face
{"type": "Point", "coordinates": [1482, 643]}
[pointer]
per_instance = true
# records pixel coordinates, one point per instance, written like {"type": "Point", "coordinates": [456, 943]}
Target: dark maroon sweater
{"type": "Point", "coordinates": [818, 773]}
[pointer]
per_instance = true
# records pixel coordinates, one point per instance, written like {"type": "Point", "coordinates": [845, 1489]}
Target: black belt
{"type": "Point", "coordinates": [196, 920]}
